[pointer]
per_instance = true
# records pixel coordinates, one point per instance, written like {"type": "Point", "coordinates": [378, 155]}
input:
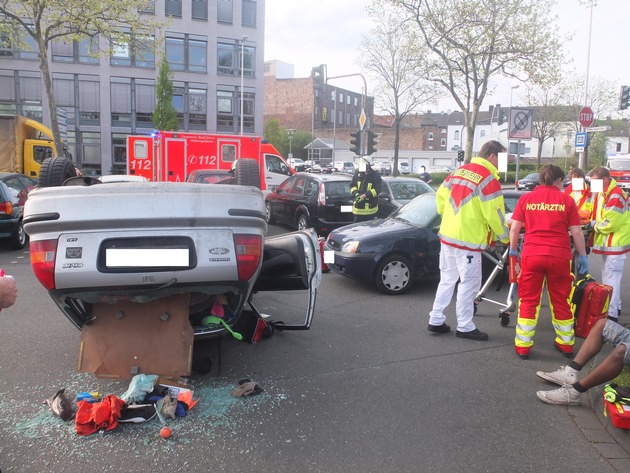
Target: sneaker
{"type": "Point", "coordinates": [473, 335]}
{"type": "Point", "coordinates": [137, 413]}
{"type": "Point", "coordinates": [564, 350]}
{"type": "Point", "coordinates": [563, 375]}
{"type": "Point", "coordinates": [563, 396]}
{"type": "Point", "coordinates": [439, 328]}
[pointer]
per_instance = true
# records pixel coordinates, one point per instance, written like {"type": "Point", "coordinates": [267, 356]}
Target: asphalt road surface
{"type": "Point", "coordinates": [367, 389]}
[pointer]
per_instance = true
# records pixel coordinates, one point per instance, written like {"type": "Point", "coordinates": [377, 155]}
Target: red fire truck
{"type": "Point", "coordinates": [619, 166]}
{"type": "Point", "coordinates": [173, 155]}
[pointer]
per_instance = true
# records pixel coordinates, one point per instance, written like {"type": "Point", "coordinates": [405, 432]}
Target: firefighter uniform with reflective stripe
{"type": "Point", "coordinates": [611, 238]}
{"type": "Point", "coordinates": [366, 183]}
{"type": "Point", "coordinates": [547, 214]}
{"type": "Point", "coordinates": [473, 216]}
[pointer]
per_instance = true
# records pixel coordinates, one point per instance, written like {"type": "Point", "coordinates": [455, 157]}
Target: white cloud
{"type": "Point", "coordinates": [307, 33]}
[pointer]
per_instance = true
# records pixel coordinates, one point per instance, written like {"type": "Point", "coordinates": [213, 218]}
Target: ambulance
{"type": "Point", "coordinates": [172, 155]}
{"type": "Point", "coordinates": [619, 165]}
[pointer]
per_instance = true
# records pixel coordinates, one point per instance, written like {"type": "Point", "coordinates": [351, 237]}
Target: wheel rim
{"type": "Point", "coordinates": [395, 276]}
{"type": "Point", "coordinates": [268, 206]}
{"type": "Point", "coordinates": [21, 236]}
{"type": "Point", "coordinates": [302, 223]}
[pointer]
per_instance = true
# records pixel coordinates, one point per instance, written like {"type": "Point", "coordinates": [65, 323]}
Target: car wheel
{"type": "Point", "coordinates": [55, 171]}
{"type": "Point", "coordinates": [270, 218]}
{"type": "Point", "coordinates": [302, 222]}
{"type": "Point", "coordinates": [19, 239]}
{"type": "Point", "coordinates": [393, 274]}
{"type": "Point", "coordinates": [246, 172]}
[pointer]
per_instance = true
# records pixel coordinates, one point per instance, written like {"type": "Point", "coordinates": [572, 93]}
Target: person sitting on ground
{"type": "Point", "coordinates": [604, 330]}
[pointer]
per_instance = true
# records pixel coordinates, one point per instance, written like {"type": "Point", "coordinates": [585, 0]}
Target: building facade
{"type": "Point", "coordinates": [214, 49]}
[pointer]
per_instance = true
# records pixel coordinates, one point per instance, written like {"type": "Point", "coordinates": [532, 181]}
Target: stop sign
{"type": "Point", "coordinates": [586, 117]}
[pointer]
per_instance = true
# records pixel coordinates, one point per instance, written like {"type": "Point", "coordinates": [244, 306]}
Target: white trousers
{"type": "Point", "coordinates": [465, 266]}
{"type": "Point", "coordinates": [612, 271]}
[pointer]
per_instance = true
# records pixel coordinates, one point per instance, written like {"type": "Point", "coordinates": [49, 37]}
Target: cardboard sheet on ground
{"type": "Point", "coordinates": [139, 341]}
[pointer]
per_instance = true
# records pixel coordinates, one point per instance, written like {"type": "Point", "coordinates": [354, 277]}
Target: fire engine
{"type": "Point", "coordinates": [173, 155]}
{"type": "Point", "coordinates": [619, 166]}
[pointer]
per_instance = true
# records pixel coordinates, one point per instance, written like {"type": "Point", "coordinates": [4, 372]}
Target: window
{"type": "Point", "coordinates": [332, 95]}
{"type": "Point", "coordinates": [30, 49]}
{"type": "Point", "coordinates": [30, 94]}
{"type": "Point", "coordinates": [341, 98]}
{"type": "Point", "coordinates": [482, 133]}
{"type": "Point", "coordinates": [64, 88]}
{"type": "Point", "coordinates": [248, 112]}
{"type": "Point", "coordinates": [348, 99]}
{"type": "Point", "coordinates": [200, 9]}
{"type": "Point", "coordinates": [225, 110]}
{"type": "Point", "coordinates": [431, 136]}
{"type": "Point", "coordinates": [356, 101]}
{"type": "Point", "coordinates": [443, 142]}
{"type": "Point", "coordinates": [248, 17]}
{"type": "Point", "coordinates": [340, 119]}
{"type": "Point", "coordinates": [224, 11]}
{"type": "Point", "coordinates": [87, 50]}
{"type": "Point", "coordinates": [6, 47]}
{"type": "Point", "coordinates": [142, 56]}
{"type": "Point", "coordinates": [145, 102]}
{"type": "Point", "coordinates": [119, 148]}
{"type": "Point", "coordinates": [120, 93]}
{"type": "Point", "coordinates": [147, 7]}
{"type": "Point", "coordinates": [7, 86]}
{"type": "Point", "coordinates": [173, 8]}
{"type": "Point", "coordinates": [187, 52]}
{"type": "Point", "coordinates": [89, 100]}
{"type": "Point", "coordinates": [229, 55]}
{"type": "Point", "coordinates": [456, 136]}
{"type": "Point", "coordinates": [197, 107]}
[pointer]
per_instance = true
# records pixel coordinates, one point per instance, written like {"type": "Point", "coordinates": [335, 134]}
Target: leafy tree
{"type": "Point", "coordinates": [279, 138]}
{"type": "Point", "coordinates": [115, 22]}
{"type": "Point", "coordinates": [274, 133]}
{"type": "Point", "coordinates": [469, 42]}
{"type": "Point", "coordinates": [597, 150]}
{"type": "Point", "coordinates": [388, 53]}
{"type": "Point", "coordinates": [165, 115]}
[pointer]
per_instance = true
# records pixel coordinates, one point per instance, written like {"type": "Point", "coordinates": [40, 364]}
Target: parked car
{"type": "Point", "coordinates": [441, 168]}
{"type": "Point", "coordinates": [345, 166]}
{"type": "Point", "coordinates": [404, 167]}
{"type": "Point", "coordinates": [321, 201]}
{"type": "Point", "coordinates": [329, 168]}
{"type": "Point", "coordinates": [312, 166]}
{"type": "Point", "coordinates": [297, 164]}
{"type": "Point", "coordinates": [399, 191]}
{"type": "Point", "coordinates": [395, 251]}
{"type": "Point", "coordinates": [14, 190]}
{"type": "Point", "coordinates": [529, 182]}
{"type": "Point", "coordinates": [383, 167]}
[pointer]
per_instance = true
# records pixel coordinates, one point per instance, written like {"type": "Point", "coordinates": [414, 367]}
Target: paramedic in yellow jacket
{"type": "Point", "coordinates": [611, 233]}
{"type": "Point", "coordinates": [365, 188]}
{"type": "Point", "coordinates": [473, 216]}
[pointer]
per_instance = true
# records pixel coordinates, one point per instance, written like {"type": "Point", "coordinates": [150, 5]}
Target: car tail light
{"type": "Point", "coordinates": [43, 255]}
{"type": "Point", "coordinates": [248, 255]}
{"type": "Point", "coordinates": [6, 208]}
{"type": "Point", "coordinates": [321, 197]}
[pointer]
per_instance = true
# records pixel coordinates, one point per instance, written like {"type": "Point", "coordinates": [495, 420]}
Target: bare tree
{"type": "Point", "coordinates": [116, 22]}
{"type": "Point", "coordinates": [471, 41]}
{"type": "Point", "coordinates": [389, 54]}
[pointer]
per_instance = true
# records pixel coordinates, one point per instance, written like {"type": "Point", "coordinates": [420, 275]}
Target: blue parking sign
{"type": "Point", "coordinates": [580, 139]}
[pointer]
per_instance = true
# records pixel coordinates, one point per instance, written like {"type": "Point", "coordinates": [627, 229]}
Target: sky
{"type": "Point", "coordinates": [306, 33]}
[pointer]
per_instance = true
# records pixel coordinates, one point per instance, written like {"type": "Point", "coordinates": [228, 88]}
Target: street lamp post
{"type": "Point", "coordinates": [242, 77]}
{"type": "Point", "coordinates": [290, 133]}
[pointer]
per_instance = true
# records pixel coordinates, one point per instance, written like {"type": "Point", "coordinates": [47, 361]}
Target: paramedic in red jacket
{"type": "Point", "coordinates": [548, 216]}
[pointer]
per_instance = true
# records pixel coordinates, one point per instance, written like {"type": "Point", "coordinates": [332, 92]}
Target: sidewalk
{"type": "Point", "coordinates": [612, 443]}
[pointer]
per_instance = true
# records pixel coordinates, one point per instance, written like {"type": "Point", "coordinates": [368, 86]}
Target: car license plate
{"type": "Point", "coordinates": [147, 257]}
{"type": "Point", "coordinates": [346, 208]}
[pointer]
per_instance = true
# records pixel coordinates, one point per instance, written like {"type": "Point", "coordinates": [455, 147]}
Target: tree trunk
{"type": "Point", "coordinates": [395, 171]}
{"type": "Point", "coordinates": [54, 122]}
{"type": "Point", "coordinates": [539, 153]}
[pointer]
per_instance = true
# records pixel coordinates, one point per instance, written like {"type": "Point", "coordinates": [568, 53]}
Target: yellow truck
{"type": "Point", "coordinates": [24, 145]}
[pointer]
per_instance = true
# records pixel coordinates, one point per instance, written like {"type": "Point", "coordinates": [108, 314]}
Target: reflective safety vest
{"type": "Point", "coordinates": [470, 201]}
{"type": "Point", "coordinates": [611, 232]}
{"type": "Point", "coordinates": [584, 202]}
{"type": "Point", "coordinates": [368, 183]}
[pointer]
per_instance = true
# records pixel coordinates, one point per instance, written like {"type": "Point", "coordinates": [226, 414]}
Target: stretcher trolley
{"type": "Point", "coordinates": [501, 263]}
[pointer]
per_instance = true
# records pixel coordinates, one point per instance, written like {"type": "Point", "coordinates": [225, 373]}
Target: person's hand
{"type": "Point", "coordinates": [8, 292]}
{"type": "Point", "coordinates": [591, 224]}
{"type": "Point", "coordinates": [582, 264]}
{"type": "Point", "coordinates": [514, 252]}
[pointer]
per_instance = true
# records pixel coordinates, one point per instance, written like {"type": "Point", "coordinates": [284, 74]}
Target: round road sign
{"type": "Point", "coordinates": [586, 117]}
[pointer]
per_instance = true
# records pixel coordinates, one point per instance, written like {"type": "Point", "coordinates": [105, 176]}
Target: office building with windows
{"type": "Point", "coordinates": [215, 52]}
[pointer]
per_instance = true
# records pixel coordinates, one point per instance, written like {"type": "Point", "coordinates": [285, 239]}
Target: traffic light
{"type": "Point", "coordinates": [318, 74]}
{"type": "Point", "coordinates": [355, 142]}
{"type": "Point", "coordinates": [501, 118]}
{"type": "Point", "coordinates": [624, 97]}
{"type": "Point", "coordinates": [371, 142]}
{"type": "Point", "coordinates": [460, 156]}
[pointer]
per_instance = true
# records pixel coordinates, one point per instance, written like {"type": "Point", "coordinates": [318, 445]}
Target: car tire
{"type": "Point", "coordinates": [246, 172]}
{"type": "Point", "coordinates": [302, 222]}
{"type": "Point", "coordinates": [393, 274]}
{"type": "Point", "coordinates": [270, 218]}
{"type": "Point", "coordinates": [20, 238]}
{"type": "Point", "coordinates": [55, 171]}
